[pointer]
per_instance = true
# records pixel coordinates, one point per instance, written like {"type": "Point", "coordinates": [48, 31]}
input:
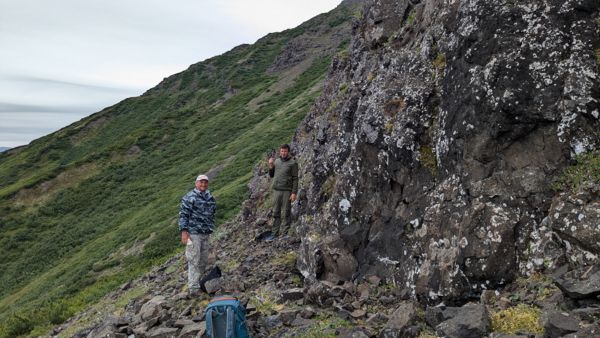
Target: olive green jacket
{"type": "Point", "coordinates": [285, 175]}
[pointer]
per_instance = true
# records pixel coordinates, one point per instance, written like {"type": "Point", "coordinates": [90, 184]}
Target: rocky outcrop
{"type": "Point", "coordinates": [428, 159]}
{"type": "Point", "coordinates": [582, 283]}
{"type": "Point", "coordinates": [569, 234]}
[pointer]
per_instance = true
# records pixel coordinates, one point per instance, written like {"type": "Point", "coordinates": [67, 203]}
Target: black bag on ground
{"type": "Point", "coordinates": [214, 273]}
{"type": "Point", "coordinates": [263, 235]}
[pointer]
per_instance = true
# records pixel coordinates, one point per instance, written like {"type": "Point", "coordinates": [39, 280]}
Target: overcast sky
{"type": "Point", "coordinates": [62, 60]}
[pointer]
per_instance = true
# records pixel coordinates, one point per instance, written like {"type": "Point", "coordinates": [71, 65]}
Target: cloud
{"type": "Point", "coordinates": [268, 16]}
{"type": "Point", "coordinates": [64, 57]}
{"type": "Point", "coordinates": [24, 130]}
{"type": "Point", "coordinates": [13, 108]}
{"type": "Point", "coordinates": [19, 128]}
{"type": "Point", "coordinates": [32, 80]}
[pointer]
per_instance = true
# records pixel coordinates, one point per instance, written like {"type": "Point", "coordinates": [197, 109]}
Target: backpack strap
{"type": "Point", "coordinates": [230, 332]}
{"type": "Point", "coordinates": [210, 330]}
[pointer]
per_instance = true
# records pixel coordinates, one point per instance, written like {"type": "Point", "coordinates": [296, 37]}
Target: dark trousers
{"type": "Point", "coordinates": [281, 209]}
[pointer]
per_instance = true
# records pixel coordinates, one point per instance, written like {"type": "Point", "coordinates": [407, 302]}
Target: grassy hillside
{"type": "Point", "coordinates": [95, 204]}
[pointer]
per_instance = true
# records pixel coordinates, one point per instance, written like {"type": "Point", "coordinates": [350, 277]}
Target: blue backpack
{"type": "Point", "coordinates": [226, 318]}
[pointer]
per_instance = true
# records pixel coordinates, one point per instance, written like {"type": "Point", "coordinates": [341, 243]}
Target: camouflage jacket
{"type": "Point", "coordinates": [197, 212]}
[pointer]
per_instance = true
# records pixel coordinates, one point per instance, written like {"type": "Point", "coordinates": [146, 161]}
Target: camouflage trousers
{"type": "Point", "coordinates": [196, 254]}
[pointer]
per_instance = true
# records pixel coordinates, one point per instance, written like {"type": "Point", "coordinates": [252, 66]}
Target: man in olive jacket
{"type": "Point", "coordinates": [284, 171]}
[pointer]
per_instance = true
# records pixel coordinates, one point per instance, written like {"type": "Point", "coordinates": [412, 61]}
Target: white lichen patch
{"type": "Point", "coordinates": [344, 205]}
{"type": "Point", "coordinates": [387, 261]}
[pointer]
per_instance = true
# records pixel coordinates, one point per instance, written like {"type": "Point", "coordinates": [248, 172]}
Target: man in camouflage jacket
{"type": "Point", "coordinates": [196, 223]}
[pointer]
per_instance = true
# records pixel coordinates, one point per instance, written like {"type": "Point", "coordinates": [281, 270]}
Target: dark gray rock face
{"type": "Point", "coordinates": [558, 325]}
{"type": "Point", "coordinates": [580, 283]}
{"type": "Point", "coordinates": [434, 315]}
{"type": "Point", "coordinates": [428, 158]}
{"type": "Point", "coordinates": [570, 234]}
{"type": "Point", "coordinates": [471, 320]}
{"type": "Point", "coordinates": [162, 332]}
{"type": "Point", "coordinates": [587, 332]}
{"type": "Point", "coordinates": [403, 316]}
{"type": "Point", "coordinates": [193, 330]}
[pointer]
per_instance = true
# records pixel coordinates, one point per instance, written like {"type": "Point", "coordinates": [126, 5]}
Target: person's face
{"type": "Point", "coordinates": [202, 185]}
{"type": "Point", "coordinates": [283, 152]}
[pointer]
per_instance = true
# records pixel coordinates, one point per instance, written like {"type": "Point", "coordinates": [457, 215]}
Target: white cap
{"type": "Point", "coordinates": [202, 177]}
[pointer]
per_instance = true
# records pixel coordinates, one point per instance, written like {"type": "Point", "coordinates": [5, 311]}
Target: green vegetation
{"type": "Point", "coordinates": [328, 186]}
{"type": "Point", "coordinates": [325, 326]}
{"type": "Point", "coordinates": [389, 127]}
{"type": "Point", "coordinates": [94, 205]}
{"type": "Point", "coordinates": [586, 170]}
{"type": "Point", "coordinates": [521, 318]}
{"type": "Point", "coordinates": [427, 333]}
{"type": "Point", "coordinates": [265, 303]}
{"type": "Point", "coordinates": [428, 159]}
{"type": "Point", "coordinates": [287, 259]}
{"type": "Point", "coordinates": [104, 306]}
{"type": "Point", "coordinates": [411, 17]}
{"type": "Point", "coordinates": [440, 61]}
{"type": "Point", "coordinates": [538, 285]}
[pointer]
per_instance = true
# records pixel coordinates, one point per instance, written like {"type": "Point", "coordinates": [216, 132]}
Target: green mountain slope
{"type": "Point", "coordinates": [87, 208]}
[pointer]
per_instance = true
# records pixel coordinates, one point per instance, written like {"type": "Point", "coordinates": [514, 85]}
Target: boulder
{"type": "Point", "coordinates": [580, 283]}
{"type": "Point", "coordinates": [358, 314]}
{"type": "Point", "coordinates": [434, 315]}
{"type": "Point", "coordinates": [307, 312]}
{"type": "Point", "coordinates": [472, 321]}
{"type": "Point", "coordinates": [272, 322]}
{"type": "Point", "coordinates": [404, 315]}
{"type": "Point", "coordinates": [162, 332]}
{"type": "Point", "coordinates": [558, 324]}
{"type": "Point", "coordinates": [193, 330]}
{"type": "Point", "coordinates": [144, 327]}
{"type": "Point", "coordinates": [407, 332]}
{"type": "Point", "coordinates": [104, 330]}
{"type": "Point", "coordinates": [302, 322]}
{"type": "Point", "coordinates": [351, 332]}
{"type": "Point", "coordinates": [152, 308]}
{"type": "Point", "coordinates": [377, 319]}
{"type": "Point", "coordinates": [588, 331]}
{"type": "Point", "coordinates": [214, 285]}
{"type": "Point", "coordinates": [288, 316]}
{"type": "Point", "coordinates": [291, 295]}
{"type": "Point", "coordinates": [575, 217]}
{"type": "Point", "coordinates": [180, 323]}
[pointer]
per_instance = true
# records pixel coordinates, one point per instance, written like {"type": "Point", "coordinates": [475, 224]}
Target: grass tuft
{"type": "Point", "coordinates": [585, 171]}
{"type": "Point", "coordinates": [287, 259]}
{"type": "Point", "coordinates": [440, 61]}
{"type": "Point", "coordinates": [325, 326]}
{"type": "Point", "coordinates": [521, 318]}
{"type": "Point", "coordinates": [428, 159]}
{"type": "Point", "coordinates": [265, 303]}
